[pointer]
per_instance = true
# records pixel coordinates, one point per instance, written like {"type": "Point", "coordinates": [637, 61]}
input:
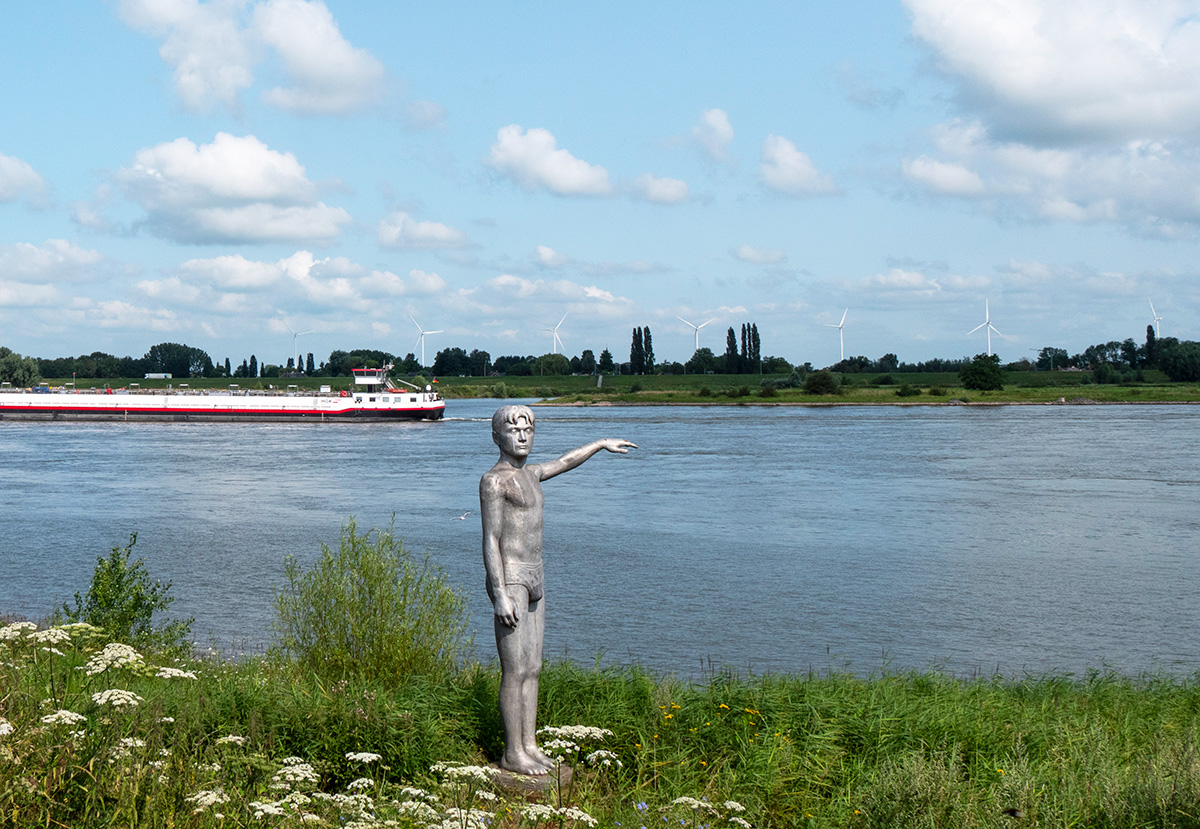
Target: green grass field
{"type": "Point", "coordinates": [745, 389]}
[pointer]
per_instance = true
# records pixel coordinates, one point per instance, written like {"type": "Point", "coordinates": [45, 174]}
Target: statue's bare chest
{"type": "Point", "coordinates": [524, 491]}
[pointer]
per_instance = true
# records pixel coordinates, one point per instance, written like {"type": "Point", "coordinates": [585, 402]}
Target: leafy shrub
{"type": "Point", "coordinates": [705, 391]}
{"type": "Point", "coordinates": [635, 388]}
{"type": "Point", "coordinates": [821, 382]}
{"type": "Point", "coordinates": [885, 380]}
{"type": "Point", "coordinates": [983, 373]}
{"type": "Point", "coordinates": [768, 390]}
{"type": "Point", "coordinates": [908, 390]}
{"type": "Point", "coordinates": [499, 390]}
{"type": "Point", "coordinates": [370, 610]}
{"type": "Point", "coordinates": [123, 600]}
{"type": "Point", "coordinates": [937, 391]}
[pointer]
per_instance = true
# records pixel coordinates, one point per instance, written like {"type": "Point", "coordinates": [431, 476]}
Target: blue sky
{"type": "Point", "coordinates": [223, 173]}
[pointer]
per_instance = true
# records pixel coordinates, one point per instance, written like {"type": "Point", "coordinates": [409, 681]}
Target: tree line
{"type": "Point", "coordinates": [1115, 361]}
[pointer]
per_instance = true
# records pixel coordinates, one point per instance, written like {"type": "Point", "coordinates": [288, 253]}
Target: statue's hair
{"type": "Point", "coordinates": [510, 414]}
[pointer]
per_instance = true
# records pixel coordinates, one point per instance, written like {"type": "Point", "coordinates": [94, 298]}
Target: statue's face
{"type": "Point", "coordinates": [516, 439]}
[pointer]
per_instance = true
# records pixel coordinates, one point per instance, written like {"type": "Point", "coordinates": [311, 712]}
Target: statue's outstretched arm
{"type": "Point", "coordinates": [575, 457]}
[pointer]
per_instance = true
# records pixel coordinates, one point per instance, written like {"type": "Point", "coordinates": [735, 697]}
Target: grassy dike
{"type": "Point", "coordinates": [208, 742]}
{"type": "Point", "coordinates": [925, 388]}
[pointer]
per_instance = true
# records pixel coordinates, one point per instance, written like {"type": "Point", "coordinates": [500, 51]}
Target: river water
{"type": "Point", "coordinates": [1016, 539]}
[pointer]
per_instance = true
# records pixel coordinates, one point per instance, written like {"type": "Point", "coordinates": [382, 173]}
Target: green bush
{"type": "Point", "coordinates": [123, 600]}
{"type": "Point", "coordinates": [768, 390]}
{"type": "Point", "coordinates": [370, 610]}
{"type": "Point", "coordinates": [821, 382]}
{"type": "Point", "coordinates": [499, 390]}
{"type": "Point", "coordinates": [908, 390]}
{"type": "Point", "coordinates": [705, 391]}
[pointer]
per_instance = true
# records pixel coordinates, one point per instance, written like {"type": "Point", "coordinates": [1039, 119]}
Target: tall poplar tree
{"type": "Point", "coordinates": [647, 352]}
{"type": "Point", "coordinates": [731, 352]}
{"type": "Point", "coordinates": [637, 353]}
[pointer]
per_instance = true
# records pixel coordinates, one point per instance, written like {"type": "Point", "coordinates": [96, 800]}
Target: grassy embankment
{"type": "Point", "coordinates": [742, 389]}
{"type": "Point", "coordinates": [94, 733]}
{"type": "Point", "coordinates": [905, 750]}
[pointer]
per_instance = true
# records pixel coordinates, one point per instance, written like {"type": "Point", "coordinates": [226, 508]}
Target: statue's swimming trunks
{"type": "Point", "coordinates": [522, 574]}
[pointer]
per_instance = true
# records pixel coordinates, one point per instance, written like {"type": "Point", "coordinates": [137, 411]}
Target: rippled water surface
{"type": "Point", "coordinates": [1018, 539]}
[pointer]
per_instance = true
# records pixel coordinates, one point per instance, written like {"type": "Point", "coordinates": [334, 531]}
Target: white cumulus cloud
{"type": "Point", "coordinates": [55, 261]}
{"type": "Point", "coordinates": [759, 256]}
{"type": "Point", "coordinates": [943, 177]}
{"type": "Point", "coordinates": [235, 189]}
{"type": "Point", "coordinates": [533, 159]}
{"type": "Point", "coordinates": [328, 74]}
{"type": "Point", "coordinates": [400, 230]}
{"type": "Point", "coordinates": [714, 134]}
{"type": "Point", "coordinates": [18, 179]}
{"type": "Point", "coordinates": [205, 44]}
{"type": "Point", "coordinates": [788, 170]}
{"type": "Point", "coordinates": [1082, 70]}
{"type": "Point", "coordinates": [549, 257]}
{"type": "Point", "coordinates": [661, 190]}
{"type": "Point", "coordinates": [213, 49]}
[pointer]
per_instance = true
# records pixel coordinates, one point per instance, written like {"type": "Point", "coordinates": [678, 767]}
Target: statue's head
{"type": "Point", "coordinates": [503, 423]}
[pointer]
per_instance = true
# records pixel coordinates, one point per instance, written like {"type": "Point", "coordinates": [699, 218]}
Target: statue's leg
{"type": "Point", "coordinates": [513, 649]}
{"type": "Point", "coordinates": [536, 616]}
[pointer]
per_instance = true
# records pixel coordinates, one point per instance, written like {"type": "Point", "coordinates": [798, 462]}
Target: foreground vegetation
{"type": "Point", "coordinates": [97, 732]}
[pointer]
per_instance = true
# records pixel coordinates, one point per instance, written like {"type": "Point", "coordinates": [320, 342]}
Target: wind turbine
{"type": "Point", "coordinates": [421, 338]}
{"type": "Point", "coordinates": [1157, 320]}
{"type": "Point", "coordinates": [696, 328]}
{"type": "Point", "coordinates": [555, 340]}
{"type": "Point", "coordinates": [295, 349]}
{"type": "Point", "coordinates": [987, 321]}
{"type": "Point", "coordinates": [841, 326]}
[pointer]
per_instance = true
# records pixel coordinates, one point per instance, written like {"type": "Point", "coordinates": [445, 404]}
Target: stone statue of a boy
{"type": "Point", "coordinates": [510, 501]}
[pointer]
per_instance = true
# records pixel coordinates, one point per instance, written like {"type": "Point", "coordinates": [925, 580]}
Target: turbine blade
{"type": "Point", "coordinates": [439, 331]}
{"type": "Point", "coordinates": [976, 328]}
{"type": "Point", "coordinates": [701, 325]}
{"type": "Point", "coordinates": [414, 319]}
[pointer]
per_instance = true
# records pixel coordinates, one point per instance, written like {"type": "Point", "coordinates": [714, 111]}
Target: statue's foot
{"type": "Point", "coordinates": [536, 754]}
{"type": "Point", "coordinates": [522, 763]}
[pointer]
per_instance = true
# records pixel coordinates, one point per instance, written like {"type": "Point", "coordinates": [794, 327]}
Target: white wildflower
{"type": "Point", "coordinates": [603, 758]}
{"type": "Point", "coordinates": [461, 774]}
{"type": "Point", "coordinates": [209, 767]}
{"type": "Point", "coordinates": [295, 773]}
{"type": "Point", "coordinates": [737, 821]}
{"type": "Point", "coordinates": [288, 761]}
{"type": "Point", "coordinates": [207, 798]}
{"type": "Point", "coordinates": [693, 804]}
{"type": "Point", "coordinates": [117, 698]}
{"type": "Point", "coordinates": [558, 748]}
{"type": "Point", "coordinates": [418, 810]}
{"type": "Point", "coordinates": [734, 806]}
{"type": "Point", "coordinates": [123, 750]}
{"type": "Point", "coordinates": [17, 630]}
{"type": "Point", "coordinates": [362, 783]}
{"type": "Point", "coordinates": [166, 719]}
{"type": "Point", "coordinates": [413, 793]}
{"type": "Point", "coordinates": [233, 738]}
{"type": "Point", "coordinates": [52, 650]}
{"type": "Point", "coordinates": [51, 636]}
{"type": "Point", "coordinates": [577, 815]}
{"type": "Point", "coordinates": [64, 717]}
{"type": "Point", "coordinates": [578, 733]}
{"type": "Point", "coordinates": [540, 812]}
{"type": "Point", "coordinates": [264, 809]}
{"type": "Point", "coordinates": [307, 818]}
{"type": "Point", "coordinates": [77, 735]}
{"type": "Point", "coordinates": [114, 655]}
{"type": "Point", "coordinates": [363, 757]}
{"type": "Point", "coordinates": [6, 727]}
{"type": "Point", "coordinates": [465, 819]}
{"type": "Point", "coordinates": [174, 673]}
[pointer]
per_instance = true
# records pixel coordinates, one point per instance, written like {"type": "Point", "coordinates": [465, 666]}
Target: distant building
{"type": "Point", "coordinates": [158, 376]}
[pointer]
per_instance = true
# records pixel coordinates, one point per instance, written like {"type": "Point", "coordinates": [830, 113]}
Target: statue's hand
{"type": "Point", "coordinates": [505, 610]}
{"type": "Point", "coordinates": [619, 446]}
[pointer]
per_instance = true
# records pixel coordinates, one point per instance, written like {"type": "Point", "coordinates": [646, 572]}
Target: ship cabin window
{"type": "Point", "coordinates": [387, 400]}
{"type": "Point", "coordinates": [412, 400]}
{"type": "Point", "coordinates": [370, 399]}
